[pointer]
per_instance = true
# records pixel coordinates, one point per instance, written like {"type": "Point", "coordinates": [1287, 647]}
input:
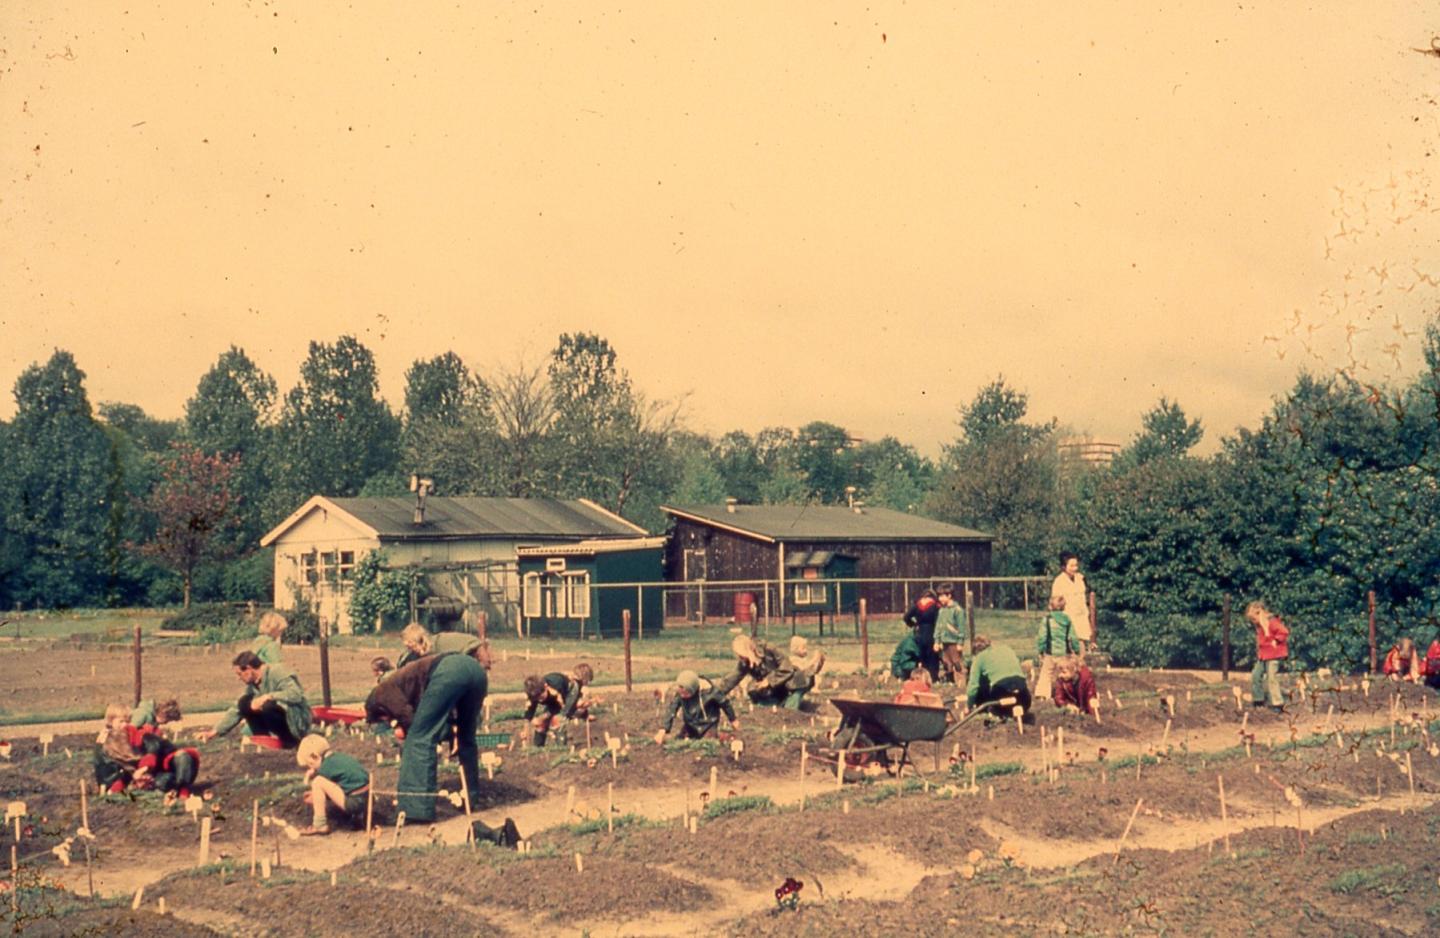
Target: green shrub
{"type": "Point", "coordinates": [381, 595]}
{"type": "Point", "coordinates": [1387, 879]}
{"type": "Point", "coordinates": [719, 807]}
{"type": "Point", "coordinates": [213, 623]}
{"type": "Point", "coordinates": [304, 622]}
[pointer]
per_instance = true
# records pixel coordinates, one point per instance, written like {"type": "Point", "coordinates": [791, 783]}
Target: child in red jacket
{"type": "Point", "coordinates": [1271, 648]}
{"type": "Point", "coordinates": [1402, 662]}
{"type": "Point", "coordinates": [1432, 665]}
{"type": "Point", "coordinates": [1074, 686]}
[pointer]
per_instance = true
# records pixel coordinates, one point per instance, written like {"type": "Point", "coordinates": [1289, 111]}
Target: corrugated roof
{"type": "Point", "coordinates": [462, 518]}
{"type": "Point", "coordinates": [826, 523]}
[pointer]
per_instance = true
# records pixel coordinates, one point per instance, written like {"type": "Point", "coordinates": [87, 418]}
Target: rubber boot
{"type": "Point", "coordinates": [538, 740]}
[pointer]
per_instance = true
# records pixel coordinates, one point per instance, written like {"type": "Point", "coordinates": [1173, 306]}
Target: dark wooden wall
{"type": "Point", "coordinates": [735, 557]}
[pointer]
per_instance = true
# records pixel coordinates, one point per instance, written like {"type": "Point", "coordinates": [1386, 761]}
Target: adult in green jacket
{"type": "Point", "coordinates": [995, 674]}
{"type": "Point", "coordinates": [272, 704]}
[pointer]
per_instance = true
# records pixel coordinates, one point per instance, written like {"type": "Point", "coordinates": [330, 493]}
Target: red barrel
{"type": "Point", "coordinates": [743, 602]}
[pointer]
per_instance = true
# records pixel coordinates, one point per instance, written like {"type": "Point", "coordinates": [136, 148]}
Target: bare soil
{"type": "Point", "coordinates": [1030, 849]}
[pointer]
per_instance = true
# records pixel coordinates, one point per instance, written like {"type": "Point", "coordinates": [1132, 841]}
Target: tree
{"type": "Point", "coordinates": [335, 431]}
{"type": "Point", "coordinates": [524, 412]}
{"type": "Point", "coordinates": [607, 441]}
{"type": "Point", "coordinates": [231, 414]}
{"type": "Point", "coordinates": [1002, 476]}
{"type": "Point", "coordinates": [822, 454]}
{"type": "Point", "coordinates": [54, 483]}
{"type": "Point", "coordinates": [996, 410]}
{"type": "Point", "coordinates": [450, 434]}
{"type": "Point", "coordinates": [192, 506]}
{"type": "Point", "coordinates": [1166, 433]}
{"type": "Point", "coordinates": [150, 434]}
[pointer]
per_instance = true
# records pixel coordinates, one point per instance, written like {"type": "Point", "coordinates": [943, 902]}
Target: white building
{"type": "Point", "coordinates": [465, 546]}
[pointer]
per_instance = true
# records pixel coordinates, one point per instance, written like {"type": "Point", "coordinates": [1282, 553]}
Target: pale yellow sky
{"type": "Point", "coordinates": [795, 211]}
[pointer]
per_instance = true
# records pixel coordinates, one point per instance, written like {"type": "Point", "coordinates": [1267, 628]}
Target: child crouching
{"type": "Point", "coordinates": [337, 783]}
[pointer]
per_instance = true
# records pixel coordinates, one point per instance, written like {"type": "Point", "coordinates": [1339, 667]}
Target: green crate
{"type": "Point", "coordinates": [492, 740]}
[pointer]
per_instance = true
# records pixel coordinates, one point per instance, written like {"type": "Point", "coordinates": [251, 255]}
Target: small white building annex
{"type": "Point", "coordinates": [466, 546]}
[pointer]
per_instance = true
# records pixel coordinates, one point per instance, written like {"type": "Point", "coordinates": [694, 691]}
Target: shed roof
{"type": "Point", "coordinates": [392, 519]}
{"type": "Point", "coordinates": [824, 523]}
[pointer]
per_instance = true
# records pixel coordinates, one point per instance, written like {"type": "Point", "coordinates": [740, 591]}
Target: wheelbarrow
{"type": "Point", "coordinates": [874, 727]}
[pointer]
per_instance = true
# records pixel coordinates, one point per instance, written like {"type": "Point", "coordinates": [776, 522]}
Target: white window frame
{"type": "Point", "coordinates": [530, 595]}
{"type": "Point", "coordinates": [576, 590]}
{"type": "Point", "coordinates": [811, 593]}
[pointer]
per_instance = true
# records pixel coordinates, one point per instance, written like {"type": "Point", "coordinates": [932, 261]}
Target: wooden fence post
{"type": "Point", "coordinates": [969, 621]}
{"type": "Point", "coordinates": [1370, 600]}
{"type": "Point", "coordinates": [1225, 640]}
{"type": "Point", "coordinates": [325, 660]}
{"type": "Point", "coordinates": [625, 630]}
{"type": "Point", "coordinates": [137, 666]}
{"type": "Point", "coordinates": [864, 635]}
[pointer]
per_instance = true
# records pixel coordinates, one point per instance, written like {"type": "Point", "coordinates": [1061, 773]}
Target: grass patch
{"type": "Point", "coordinates": [719, 807]}
{"type": "Point", "coordinates": [1359, 838]}
{"type": "Point", "coordinates": [598, 825]}
{"type": "Point", "coordinates": [1387, 879]}
{"type": "Point", "coordinates": [782, 737]}
{"type": "Point", "coordinates": [705, 747]}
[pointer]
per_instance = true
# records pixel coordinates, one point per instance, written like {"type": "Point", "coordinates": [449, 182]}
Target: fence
{"type": "Point", "coordinates": [595, 609]}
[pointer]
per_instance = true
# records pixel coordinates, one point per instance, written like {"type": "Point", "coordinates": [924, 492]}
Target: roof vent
{"type": "Point", "coordinates": [422, 489]}
{"type": "Point", "coordinates": [730, 504]}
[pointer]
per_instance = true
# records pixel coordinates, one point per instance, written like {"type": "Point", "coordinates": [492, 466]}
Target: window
{"type": "Point", "coordinates": [577, 594]}
{"type": "Point", "coordinates": [810, 593]}
{"type": "Point", "coordinates": [308, 574]}
{"type": "Point", "coordinates": [329, 567]}
{"type": "Point", "coordinates": [347, 566]}
{"type": "Point", "coordinates": [530, 595]}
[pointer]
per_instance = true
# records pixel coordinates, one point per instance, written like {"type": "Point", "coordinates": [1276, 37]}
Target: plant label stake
{"type": "Point", "coordinates": [1018, 713]}
{"type": "Point", "coordinates": [1224, 816]}
{"type": "Point", "coordinates": [399, 824]}
{"type": "Point", "coordinates": [1095, 709]}
{"type": "Point", "coordinates": [737, 746]}
{"type": "Point", "coordinates": [204, 842]}
{"type": "Point", "coordinates": [610, 810]}
{"type": "Point", "coordinates": [1238, 707]}
{"type": "Point", "coordinates": [139, 898]}
{"type": "Point", "coordinates": [1164, 737]}
{"type": "Point", "coordinates": [579, 863]}
{"type": "Point", "coordinates": [45, 740]}
{"type": "Point", "coordinates": [1131, 823]}
{"type": "Point", "coordinates": [255, 835]}
{"type": "Point", "coordinates": [264, 867]}
{"type": "Point", "coordinates": [694, 824]}
{"type": "Point", "coordinates": [804, 756]}
{"type": "Point", "coordinates": [714, 783]}
{"type": "Point", "coordinates": [1060, 743]}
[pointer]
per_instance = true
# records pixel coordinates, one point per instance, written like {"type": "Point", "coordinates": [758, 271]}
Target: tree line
{"type": "Point", "coordinates": [1334, 494]}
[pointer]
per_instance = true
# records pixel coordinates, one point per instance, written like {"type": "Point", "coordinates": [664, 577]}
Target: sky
{"type": "Point", "coordinates": [780, 212]}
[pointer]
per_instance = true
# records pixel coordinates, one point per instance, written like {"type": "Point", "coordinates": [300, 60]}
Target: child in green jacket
{"type": "Point", "coordinates": [1055, 639]}
{"type": "Point", "coordinates": [335, 782]}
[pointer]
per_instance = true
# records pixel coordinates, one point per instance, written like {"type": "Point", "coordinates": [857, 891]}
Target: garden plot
{"type": "Point", "coordinates": [1020, 831]}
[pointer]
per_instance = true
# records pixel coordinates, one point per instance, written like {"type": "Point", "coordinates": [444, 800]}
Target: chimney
{"type": "Point", "coordinates": [421, 488]}
{"type": "Point", "coordinates": [730, 504]}
{"type": "Point", "coordinates": [857, 507]}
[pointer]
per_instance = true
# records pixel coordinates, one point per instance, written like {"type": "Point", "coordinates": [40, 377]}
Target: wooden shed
{"type": "Point", "coordinates": [894, 554]}
{"type": "Point", "coordinates": [464, 546]}
{"type": "Point", "coordinates": [584, 589]}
